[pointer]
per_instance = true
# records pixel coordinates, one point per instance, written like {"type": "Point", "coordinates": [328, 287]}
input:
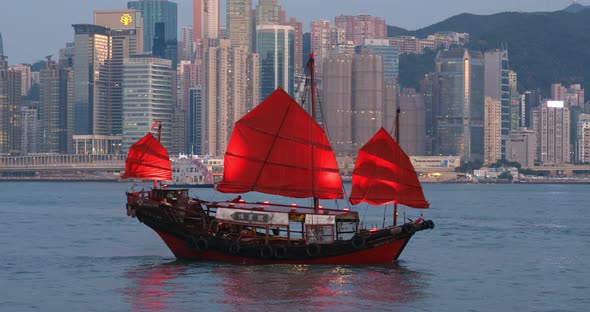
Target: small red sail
{"type": "Point", "coordinates": [279, 149]}
{"type": "Point", "coordinates": [148, 159]}
{"type": "Point", "coordinates": [384, 174]}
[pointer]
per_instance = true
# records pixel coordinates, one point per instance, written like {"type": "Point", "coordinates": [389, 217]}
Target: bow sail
{"type": "Point", "coordinates": [384, 174]}
{"type": "Point", "coordinates": [148, 159]}
{"type": "Point", "coordinates": [279, 149]}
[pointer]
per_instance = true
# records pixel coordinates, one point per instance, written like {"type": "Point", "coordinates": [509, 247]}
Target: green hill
{"type": "Point", "coordinates": [544, 48]}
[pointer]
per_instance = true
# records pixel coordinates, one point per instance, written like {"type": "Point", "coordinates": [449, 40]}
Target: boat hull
{"type": "Point", "coordinates": [380, 254]}
{"type": "Point", "coordinates": [188, 234]}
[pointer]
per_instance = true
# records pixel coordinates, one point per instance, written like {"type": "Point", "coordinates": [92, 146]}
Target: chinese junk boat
{"type": "Point", "coordinates": [278, 148]}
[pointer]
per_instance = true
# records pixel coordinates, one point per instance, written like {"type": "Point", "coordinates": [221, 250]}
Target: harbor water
{"type": "Point", "coordinates": [68, 246]}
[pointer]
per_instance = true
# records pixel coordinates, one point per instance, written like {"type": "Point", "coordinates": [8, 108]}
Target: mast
{"type": "Point", "coordinates": [159, 122]}
{"type": "Point", "coordinates": [397, 113]}
{"type": "Point", "coordinates": [311, 67]}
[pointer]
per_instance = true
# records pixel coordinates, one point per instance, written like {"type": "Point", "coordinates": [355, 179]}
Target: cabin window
{"type": "Point", "coordinates": [319, 233]}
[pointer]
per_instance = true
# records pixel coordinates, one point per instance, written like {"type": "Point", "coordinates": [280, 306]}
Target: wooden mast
{"type": "Point", "coordinates": [311, 67]}
{"type": "Point", "coordinates": [397, 113]}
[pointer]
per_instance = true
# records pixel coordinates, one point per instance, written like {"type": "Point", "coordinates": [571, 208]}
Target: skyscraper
{"type": "Point", "coordinates": [268, 12]}
{"type": "Point", "coordinates": [297, 44]}
{"type": "Point", "coordinates": [361, 27]}
{"type": "Point", "coordinates": [497, 86]}
{"type": "Point", "coordinates": [147, 97]}
{"type": "Point", "coordinates": [188, 46]}
{"type": "Point", "coordinates": [92, 53]}
{"type": "Point", "coordinates": [206, 19]}
{"type": "Point", "coordinates": [55, 108]}
{"type": "Point", "coordinates": [583, 153]}
{"type": "Point", "coordinates": [1, 46]}
{"type": "Point", "coordinates": [275, 47]}
{"type": "Point", "coordinates": [159, 11]}
{"type": "Point", "coordinates": [239, 22]}
{"type": "Point", "coordinates": [320, 42]}
{"type": "Point", "coordinates": [553, 136]}
{"type": "Point", "coordinates": [460, 104]}
{"type": "Point", "coordinates": [337, 102]}
{"type": "Point", "coordinates": [412, 138]}
{"type": "Point", "coordinates": [231, 89]}
{"type": "Point", "coordinates": [126, 32]}
{"type": "Point", "coordinates": [492, 130]}
{"type": "Point", "coordinates": [195, 121]}
{"type": "Point", "coordinates": [389, 53]}
{"type": "Point", "coordinates": [367, 96]}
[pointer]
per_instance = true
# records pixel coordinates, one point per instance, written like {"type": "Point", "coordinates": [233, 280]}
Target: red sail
{"type": "Point", "coordinates": [148, 159]}
{"type": "Point", "coordinates": [384, 174]}
{"type": "Point", "coordinates": [279, 149]}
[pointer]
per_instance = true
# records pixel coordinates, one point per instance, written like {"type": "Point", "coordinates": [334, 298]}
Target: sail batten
{"type": "Point", "coordinates": [148, 159]}
{"type": "Point", "coordinates": [279, 149]}
{"type": "Point", "coordinates": [384, 174]}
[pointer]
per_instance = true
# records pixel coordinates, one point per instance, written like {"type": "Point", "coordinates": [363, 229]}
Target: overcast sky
{"type": "Point", "coordinates": [32, 29]}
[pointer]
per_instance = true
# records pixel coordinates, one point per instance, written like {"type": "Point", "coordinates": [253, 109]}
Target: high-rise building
{"type": "Point", "coordinates": [147, 97]}
{"type": "Point", "coordinates": [188, 45]}
{"type": "Point", "coordinates": [492, 130]}
{"type": "Point", "coordinates": [92, 54]}
{"type": "Point", "coordinates": [126, 32]}
{"type": "Point", "coordinates": [337, 102]}
{"type": "Point", "coordinates": [532, 100]}
{"type": "Point", "coordinates": [497, 86]}
{"type": "Point", "coordinates": [239, 23]}
{"type": "Point", "coordinates": [154, 12]}
{"type": "Point", "coordinates": [390, 56]}
{"type": "Point", "coordinates": [4, 106]}
{"type": "Point", "coordinates": [460, 104]}
{"type": "Point", "coordinates": [572, 96]}
{"type": "Point", "coordinates": [1, 46]}
{"type": "Point", "coordinates": [583, 152]}
{"type": "Point", "coordinates": [521, 147]}
{"type": "Point", "coordinates": [552, 122]}
{"type": "Point", "coordinates": [195, 121]}
{"type": "Point", "coordinates": [55, 109]}
{"type": "Point", "coordinates": [26, 79]}
{"type": "Point", "coordinates": [206, 19]}
{"type": "Point", "coordinates": [367, 96]}
{"type": "Point", "coordinates": [10, 106]}
{"type": "Point", "coordinates": [231, 89]}
{"type": "Point", "coordinates": [29, 133]}
{"type": "Point", "coordinates": [361, 27]}
{"type": "Point", "coordinates": [516, 103]}
{"type": "Point", "coordinates": [297, 43]}
{"type": "Point", "coordinates": [412, 137]}
{"type": "Point", "coordinates": [320, 42]}
{"type": "Point", "coordinates": [268, 12]}
{"type": "Point", "coordinates": [275, 47]}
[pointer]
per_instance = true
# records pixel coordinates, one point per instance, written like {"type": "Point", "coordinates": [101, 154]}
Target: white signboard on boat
{"type": "Point", "coordinates": [319, 219]}
{"type": "Point", "coordinates": [252, 216]}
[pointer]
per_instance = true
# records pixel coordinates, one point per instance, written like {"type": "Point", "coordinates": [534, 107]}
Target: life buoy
{"type": "Point", "coordinates": [409, 228]}
{"type": "Point", "coordinates": [265, 252]}
{"type": "Point", "coordinates": [358, 241]}
{"type": "Point", "coordinates": [313, 250]}
{"type": "Point", "coordinates": [234, 249]}
{"type": "Point", "coordinates": [280, 252]}
{"type": "Point", "coordinates": [201, 244]}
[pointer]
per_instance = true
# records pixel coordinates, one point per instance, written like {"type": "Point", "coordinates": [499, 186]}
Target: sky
{"type": "Point", "coordinates": [32, 29]}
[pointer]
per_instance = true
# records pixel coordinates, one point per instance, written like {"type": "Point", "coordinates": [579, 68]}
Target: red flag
{"type": "Point", "coordinates": [154, 125]}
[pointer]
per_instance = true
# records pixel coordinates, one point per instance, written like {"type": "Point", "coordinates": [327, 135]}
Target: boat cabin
{"type": "Point", "coordinates": [276, 223]}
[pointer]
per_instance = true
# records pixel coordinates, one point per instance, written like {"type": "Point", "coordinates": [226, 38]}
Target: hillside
{"type": "Point", "coordinates": [543, 48]}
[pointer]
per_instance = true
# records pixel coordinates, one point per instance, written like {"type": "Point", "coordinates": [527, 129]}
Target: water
{"type": "Point", "coordinates": [71, 247]}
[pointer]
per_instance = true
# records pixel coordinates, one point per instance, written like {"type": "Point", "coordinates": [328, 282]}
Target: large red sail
{"type": "Point", "coordinates": [148, 159]}
{"type": "Point", "coordinates": [384, 174]}
{"type": "Point", "coordinates": [279, 149]}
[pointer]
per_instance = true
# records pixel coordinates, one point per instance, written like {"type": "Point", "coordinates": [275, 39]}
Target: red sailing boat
{"type": "Point", "coordinates": [278, 148]}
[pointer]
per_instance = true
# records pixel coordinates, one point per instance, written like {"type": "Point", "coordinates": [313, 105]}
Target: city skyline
{"type": "Point", "coordinates": [46, 34]}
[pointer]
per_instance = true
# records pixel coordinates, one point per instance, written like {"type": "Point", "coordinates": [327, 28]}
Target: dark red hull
{"type": "Point", "coordinates": [379, 254]}
{"type": "Point", "coordinates": [190, 234]}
